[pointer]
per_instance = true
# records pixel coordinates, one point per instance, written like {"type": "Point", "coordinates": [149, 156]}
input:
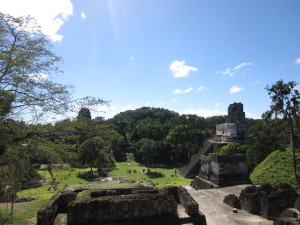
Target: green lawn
{"type": "Point", "coordinates": [63, 176]}
{"type": "Point", "coordinates": [166, 180]}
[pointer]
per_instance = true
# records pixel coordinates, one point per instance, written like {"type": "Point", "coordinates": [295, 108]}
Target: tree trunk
{"type": "Point", "coordinates": [294, 151]}
{"type": "Point", "coordinates": [12, 205]}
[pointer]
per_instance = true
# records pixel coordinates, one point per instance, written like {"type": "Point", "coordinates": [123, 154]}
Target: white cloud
{"type": "Point", "coordinates": [178, 91]}
{"type": "Point", "coordinates": [83, 15]}
{"type": "Point", "coordinates": [129, 107]}
{"type": "Point", "coordinates": [203, 112]}
{"type": "Point", "coordinates": [176, 100]}
{"type": "Point", "coordinates": [218, 104]}
{"type": "Point", "coordinates": [147, 104]}
{"type": "Point", "coordinates": [132, 58]}
{"type": "Point", "coordinates": [179, 69]}
{"type": "Point", "coordinates": [255, 83]}
{"type": "Point", "coordinates": [226, 72]}
{"type": "Point", "coordinates": [251, 115]}
{"type": "Point", "coordinates": [235, 89]}
{"type": "Point", "coordinates": [202, 88]}
{"type": "Point", "coordinates": [161, 104]}
{"type": "Point", "coordinates": [242, 65]}
{"type": "Point", "coordinates": [49, 14]}
{"type": "Point", "coordinates": [231, 71]}
{"type": "Point", "coordinates": [38, 76]}
{"type": "Point", "coordinates": [297, 61]}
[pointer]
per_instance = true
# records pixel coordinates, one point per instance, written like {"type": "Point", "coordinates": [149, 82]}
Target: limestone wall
{"type": "Point", "coordinates": [57, 204]}
{"type": "Point", "coordinates": [89, 209]}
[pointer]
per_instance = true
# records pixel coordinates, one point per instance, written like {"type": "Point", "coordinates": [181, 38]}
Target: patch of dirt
{"type": "Point", "coordinates": [17, 206]}
{"type": "Point", "coordinates": [31, 221]}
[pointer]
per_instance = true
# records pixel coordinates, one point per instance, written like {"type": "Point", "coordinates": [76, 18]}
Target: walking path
{"type": "Point", "coordinates": [217, 213]}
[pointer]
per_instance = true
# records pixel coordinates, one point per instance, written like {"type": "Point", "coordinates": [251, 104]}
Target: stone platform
{"type": "Point", "coordinates": [217, 213]}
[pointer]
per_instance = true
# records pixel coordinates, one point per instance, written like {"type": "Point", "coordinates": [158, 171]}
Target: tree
{"type": "Point", "coordinates": [26, 66]}
{"type": "Point", "coordinates": [188, 134]}
{"type": "Point", "coordinates": [92, 152]}
{"type": "Point", "coordinates": [262, 138]}
{"type": "Point", "coordinates": [286, 103]}
{"type": "Point", "coordinates": [147, 150]}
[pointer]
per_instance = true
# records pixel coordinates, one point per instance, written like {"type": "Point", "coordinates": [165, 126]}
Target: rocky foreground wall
{"type": "Point", "coordinates": [89, 209]}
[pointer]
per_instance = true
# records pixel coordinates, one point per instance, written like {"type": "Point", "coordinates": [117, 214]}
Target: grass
{"type": "Point", "coordinates": [25, 212]}
{"type": "Point", "coordinates": [122, 168]}
{"type": "Point", "coordinates": [276, 168]}
{"type": "Point", "coordinates": [63, 176]}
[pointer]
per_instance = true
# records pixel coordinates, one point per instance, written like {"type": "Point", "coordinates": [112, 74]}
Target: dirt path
{"type": "Point", "coordinates": [217, 213]}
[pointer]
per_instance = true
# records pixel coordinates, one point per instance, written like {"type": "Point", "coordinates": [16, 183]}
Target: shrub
{"type": "Point", "coordinates": [232, 148]}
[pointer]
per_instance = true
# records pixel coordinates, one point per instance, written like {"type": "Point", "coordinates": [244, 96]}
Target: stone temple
{"type": "Point", "coordinates": [235, 127]}
{"type": "Point", "coordinates": [232, 131]}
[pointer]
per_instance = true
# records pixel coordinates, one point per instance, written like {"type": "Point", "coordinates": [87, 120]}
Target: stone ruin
{"type": "Point", "coordinates": [233, 130]}
{"type": "Point", "coordinates": [221, 171]}
{"type": "Point", "coordinates": [235, 127]}
{"type": "Point", "coordinates": [130, 206]}
{"type": "Point", "coordinates": [271, 202]}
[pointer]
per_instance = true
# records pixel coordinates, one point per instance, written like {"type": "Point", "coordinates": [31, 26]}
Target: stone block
{"type": "Point", "coordinates": [190, 205]}
{"type": "Point", "coordinates": [232, 200]}
{"type": "Point", "coordinates": [249, 199]}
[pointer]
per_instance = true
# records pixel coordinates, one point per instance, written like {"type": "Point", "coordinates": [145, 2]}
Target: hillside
{"type": "Point", "coordinates": [276, 168]}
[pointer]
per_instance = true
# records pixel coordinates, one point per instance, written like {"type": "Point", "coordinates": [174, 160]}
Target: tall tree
{"type": "Point", "coordinates": [26, 66]}
{"type": "Point", "coordinates": [286, 103]}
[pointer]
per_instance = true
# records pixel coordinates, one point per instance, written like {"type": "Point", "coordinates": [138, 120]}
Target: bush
{"type": "Point", "coordinates": [205, 159]}
{"type": "Point", "coordinates": [232, 148]}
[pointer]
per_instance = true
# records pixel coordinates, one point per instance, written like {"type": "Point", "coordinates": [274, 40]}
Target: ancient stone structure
{"type": "Point", "coordinates": [223, 170]}
{"type": "Point", "coordinates": [267, 201]}
{"type": "Point", "coordinates": [232, 200]}
{"type": "Point", "coordinates": [84, 114]}
{"type": "Point", "coordinates": [130, 206]}
{"type": "Point", "coordinates": [57, 204]}
{"type": "Point", "coordinates": [233, 130]}
{"type": "Point", "coordinates": [235, 127]}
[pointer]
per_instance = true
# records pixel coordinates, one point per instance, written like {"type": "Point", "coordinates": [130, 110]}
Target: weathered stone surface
{"type": "Point", "coordinates": [297, 204]}
{"type": "Point", "coordinates": [290, 212]}
{"type": "Point", "coordinates": [249, 199]}
{"type": "Point", "coordinates": [190, 205]}
{"type": "Point", "coordinates": [267, 201]}
{"type": "Point", "coordinates": [286, 221]}
{"type": "Point", "coordinates": [57, 204]}
{"type": "Point", "coordinates": [88, 209]}
{"type": "Point", "coordinates": [228, 170]}
{"type": "Point", "coordinates": [173, 191]}
{"type": "Point", "coordinates": [232, 200]}
{"type": "Point", "coordinates": [198, 183]}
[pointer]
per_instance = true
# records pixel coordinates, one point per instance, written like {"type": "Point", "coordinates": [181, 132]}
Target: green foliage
{"type": "Point", "coordinates": [26, 63]}
{"type": "Point", "coordinates": [92, 152]}
{"type": "Point", "coordinates": [205, 159]}
{"type": "Point", "coordinates": [232, 148]}
{"type": "Point", "coordinates": [276, 168]}
{"type": "Point", "coordinates": [146, 150]}
{"type": "Point", "coordinates": [286, 103]}
{"type": "Point", "coordinates": [262, 138]}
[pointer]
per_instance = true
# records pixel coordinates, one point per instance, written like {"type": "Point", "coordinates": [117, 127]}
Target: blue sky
{"type": "Point", "coordinates": [194, 56]}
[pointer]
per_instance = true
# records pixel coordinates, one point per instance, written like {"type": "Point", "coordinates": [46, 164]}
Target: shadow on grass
{"type": "Point", "coordinates": [154, 175]}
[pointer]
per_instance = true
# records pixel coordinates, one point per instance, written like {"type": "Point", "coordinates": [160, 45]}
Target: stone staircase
{"type": "Point", "coordinates": [206, 148]}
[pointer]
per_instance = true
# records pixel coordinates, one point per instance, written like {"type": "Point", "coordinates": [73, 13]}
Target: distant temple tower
{"type": "Point", "coordinates": [235, 127]}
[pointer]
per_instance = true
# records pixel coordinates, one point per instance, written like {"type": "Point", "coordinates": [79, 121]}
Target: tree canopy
{"type": "Point", "coordinates": [26, 68]}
